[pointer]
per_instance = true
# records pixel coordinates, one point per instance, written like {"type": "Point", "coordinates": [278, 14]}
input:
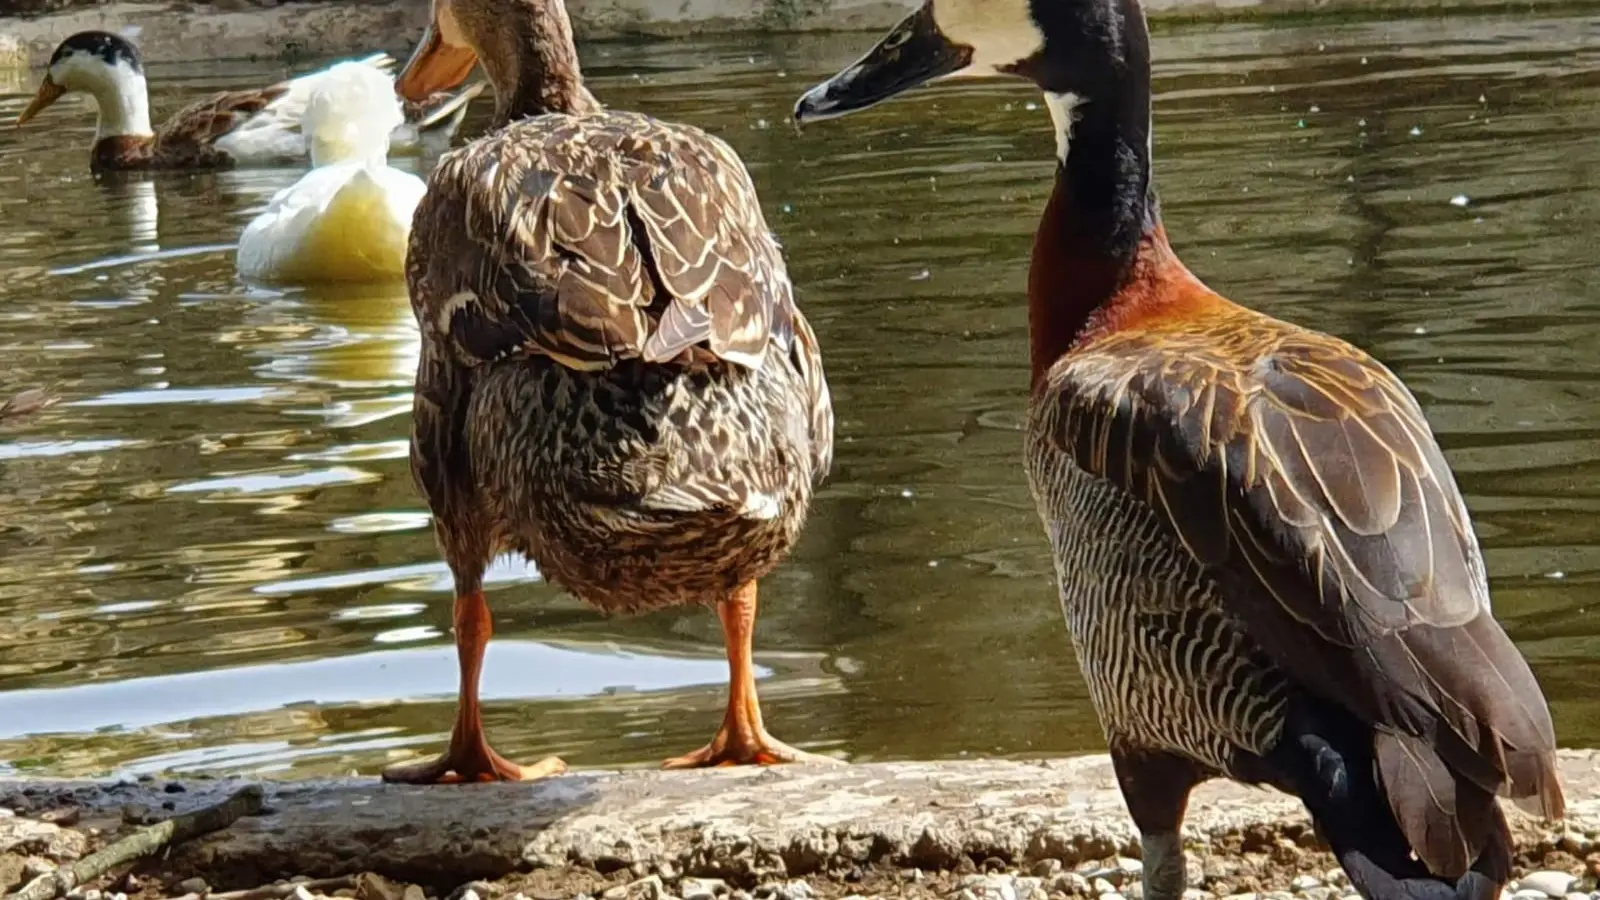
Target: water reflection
{"type": "Point", "coordinates": [212, 557]}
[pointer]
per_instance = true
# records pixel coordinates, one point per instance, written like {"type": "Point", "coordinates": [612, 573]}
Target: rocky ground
{"type": "Point", "coordinates": [967, 831]}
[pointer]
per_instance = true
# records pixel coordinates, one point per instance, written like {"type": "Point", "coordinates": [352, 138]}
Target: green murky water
{"type": "Point", "coordinates": [212, 556]}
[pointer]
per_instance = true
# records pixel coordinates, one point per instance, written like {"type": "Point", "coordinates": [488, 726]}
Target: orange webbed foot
{"type": "Point", "coordinates": [481, 765]}
{"type": "Point", "coordinates": [762, 750]}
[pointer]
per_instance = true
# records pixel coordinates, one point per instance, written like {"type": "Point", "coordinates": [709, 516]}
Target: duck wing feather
{"type": "Point", "coordinates": [594, 239]}
{"type": "Point", "coordinates": [189, 137]}
{"type": "Point", "coordinates": [1302, 473]}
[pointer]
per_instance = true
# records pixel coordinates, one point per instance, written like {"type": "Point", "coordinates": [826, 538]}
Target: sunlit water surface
{"type": "Point", "coordinates": [212, 557]}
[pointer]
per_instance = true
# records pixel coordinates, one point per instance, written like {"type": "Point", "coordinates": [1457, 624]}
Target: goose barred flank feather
{"type": "Point", "coordinates": [1241, 510]}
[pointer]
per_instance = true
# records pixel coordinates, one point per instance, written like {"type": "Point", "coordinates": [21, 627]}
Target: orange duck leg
{"type": "Point", "coordinates": [469, 756]}
{"type": "Point", "coordinates": [743, 739]}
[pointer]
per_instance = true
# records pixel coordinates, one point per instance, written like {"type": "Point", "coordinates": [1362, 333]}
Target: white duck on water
{"type": "Point", "coordinates": [348, 219]}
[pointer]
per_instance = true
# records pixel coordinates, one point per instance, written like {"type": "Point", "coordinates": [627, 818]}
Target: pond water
{"type": "Point", "coordinates": [212, 556]}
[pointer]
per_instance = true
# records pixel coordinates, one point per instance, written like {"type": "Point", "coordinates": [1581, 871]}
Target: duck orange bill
{"type": "Point", "coordinates": [434, 66]}
{"type": "Point", "coordinates": [913, 53]}
{"type": "Point", "coordinates": [48, 93]}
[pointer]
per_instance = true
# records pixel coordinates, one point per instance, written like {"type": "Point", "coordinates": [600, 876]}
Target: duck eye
{"type": "Point", "coordinates": [896, 39]}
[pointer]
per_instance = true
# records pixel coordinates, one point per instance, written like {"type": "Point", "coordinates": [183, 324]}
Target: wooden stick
{"type": "Point", "coordinates": [278, 891]}
{"type": "Point", "coordinates": [247, 801]}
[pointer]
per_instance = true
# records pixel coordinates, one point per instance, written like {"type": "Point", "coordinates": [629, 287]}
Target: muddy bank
{"type": "Point", "coordinates": [238, 29]}
{"type": "Point", "coordinates": [892, 829]}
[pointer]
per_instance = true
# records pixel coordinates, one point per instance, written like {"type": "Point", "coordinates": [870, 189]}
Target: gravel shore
{"type": "Point", "coordinates": [969, 830]}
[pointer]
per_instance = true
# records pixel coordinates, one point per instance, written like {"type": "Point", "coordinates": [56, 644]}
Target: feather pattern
{"type": "Point", "coordinates": [1312, 515]}
{"type": "Point", "coordinates": [615, 378]}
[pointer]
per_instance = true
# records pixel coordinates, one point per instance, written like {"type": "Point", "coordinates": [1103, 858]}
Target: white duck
{"type": "Point", "coordinates": [348, 219]}
{"type": "Point", "coordinates": [250, 127]}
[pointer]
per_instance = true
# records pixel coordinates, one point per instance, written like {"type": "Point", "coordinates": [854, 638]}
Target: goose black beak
{"type": "Point", "coordinates": [913, 53]}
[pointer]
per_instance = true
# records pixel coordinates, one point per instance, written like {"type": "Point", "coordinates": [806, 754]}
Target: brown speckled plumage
{"type": "Point", "coordinates": [615, 377]}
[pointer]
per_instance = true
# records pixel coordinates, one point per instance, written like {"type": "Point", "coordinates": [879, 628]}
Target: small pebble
{"type": "Point", "coordinates": [33, 867]}
{"type": "Point", "coordinates": [1111, 896]}
{"type": "Point", "coordinates": [194, 886]}
{"type": "Point", "coordinates": [1102, 886]}
{"type": "Point", "coordinates": [990, 887]}
{"type": "Point", "coordinates": [1070, 883]}
{"type": "Point", "coordinates": [1335, 877]}
{"type": "Point", "coordinates": [1549, 882]}
{"type": "Point", "coordinates": [1576, 843]}
{"type": "Point", "coordinates": [800, 890]}
{"type": "Point", "coordinates": [1129, 866]}
{"type": "Point", "coordinates": [1046, 868]}
{"type": "Point", "coordinates": [1529, 894]}
{"type": "Point", "coordinates": [300, 893]}
{"type": "Point", "coordinates": [646, 888]}
{"type": "Point", "coordinates": [701, 888]}
{"type": "Point", "coordinates": [1305, 882]}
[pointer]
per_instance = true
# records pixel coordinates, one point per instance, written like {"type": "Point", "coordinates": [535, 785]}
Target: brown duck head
{"type": "Point", "coordinates": [526, 49]}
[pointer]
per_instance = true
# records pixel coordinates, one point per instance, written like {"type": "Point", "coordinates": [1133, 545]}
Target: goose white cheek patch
{"type": "Point", "coordinates": [1063, 112]}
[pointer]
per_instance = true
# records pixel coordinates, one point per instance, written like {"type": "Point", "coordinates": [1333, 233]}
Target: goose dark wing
{"type": "Point", "coordinates": [1303, 474]}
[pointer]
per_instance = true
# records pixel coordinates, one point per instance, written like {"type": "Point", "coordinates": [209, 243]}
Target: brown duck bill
{"type": "Point", "coordinates": [914, 52]}
{"type": "Point", "coordinates": [48, 93]}
{"type": "Point", "coordinates": [434, 66]}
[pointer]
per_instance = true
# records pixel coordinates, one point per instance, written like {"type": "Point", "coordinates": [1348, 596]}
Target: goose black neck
{"type": "Point", "coordinates": [1104, 182]}
{"type": "Point", "coordinates": [1108, 201]}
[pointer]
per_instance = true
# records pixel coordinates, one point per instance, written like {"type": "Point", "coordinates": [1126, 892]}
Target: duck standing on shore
{"type": "Point", "coordinates": [1266, 567]}
{"type": "Point", "coordinates": [225, 130]}
{"type": "Point", "coordinates": [615, 378]}
{"type": "Point", "coordinates": [348, 219]}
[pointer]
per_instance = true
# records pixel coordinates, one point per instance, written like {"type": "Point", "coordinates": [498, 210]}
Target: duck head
{"type": "Point", "coordinates": [1094, 52]}
{"type": "Point", "coordinates": [526, 48]}
{"type": "Point", "coordinates": [106, 66]}
{"type": "Point", "coordinates": [350, 114]}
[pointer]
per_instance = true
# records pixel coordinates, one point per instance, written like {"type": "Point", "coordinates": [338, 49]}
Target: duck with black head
{"type": "Point", "coordinates": [225, 130]}
{"type": "Point", "coordinates": [1266, 566]}
{"type": "Point", "coordinates": [615, 378]}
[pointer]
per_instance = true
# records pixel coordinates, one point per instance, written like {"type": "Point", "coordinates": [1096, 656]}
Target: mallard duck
{"type": "Point", "coordinates": [1266, 567]}
{"type": "Point", "coordinates": [252, 127]}
{"type": "Point", "coordinates": [615, 379]}
{"type": "Point", "coordinates": [348, 218]}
